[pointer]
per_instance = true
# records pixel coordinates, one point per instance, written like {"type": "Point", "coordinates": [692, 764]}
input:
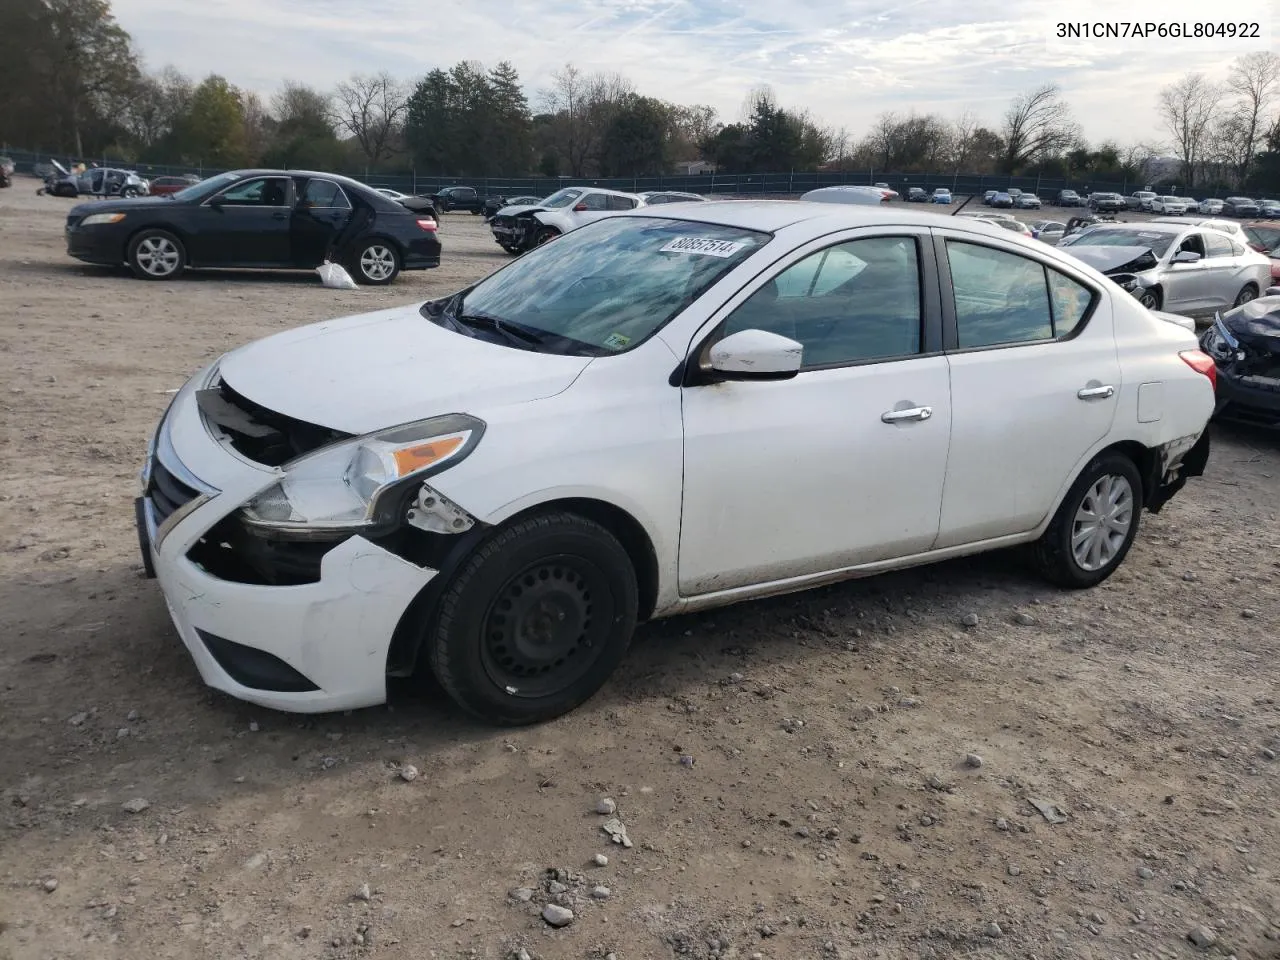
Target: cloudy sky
{"type": "Point", "coordinates": [845, 60]}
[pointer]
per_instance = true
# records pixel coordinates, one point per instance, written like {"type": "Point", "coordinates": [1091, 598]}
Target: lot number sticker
{"type": "Point", "coordinates": [704, 246]}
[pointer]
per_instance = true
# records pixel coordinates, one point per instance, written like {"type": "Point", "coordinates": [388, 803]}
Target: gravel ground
{"type": "Point", "coordinates": [852, 772]}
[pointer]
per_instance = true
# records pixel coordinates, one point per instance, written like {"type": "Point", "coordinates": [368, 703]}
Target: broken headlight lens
{"type": "Point", "coordinates": [352, 484]}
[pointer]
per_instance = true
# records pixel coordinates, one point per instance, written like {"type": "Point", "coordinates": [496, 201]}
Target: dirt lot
{"type": "Point", "coordinates": [828, 808]}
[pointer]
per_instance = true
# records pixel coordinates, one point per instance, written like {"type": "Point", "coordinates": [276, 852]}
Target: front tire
{"type": "Point", "coordinates": [376, 264]}
{"type": "Point", "coordinates": [156, 255]}
{"type": "Point", "coordinates": [535, 621]}
{"type": "Point", "coordinates": [1150, 299]}
{"type": "Point", "coordinates": [545, 235]}
{"type": "Point", "coordinates": [1095, 526]}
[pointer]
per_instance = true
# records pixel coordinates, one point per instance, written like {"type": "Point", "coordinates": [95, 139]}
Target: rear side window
{"type": "Point", "coordinates": [619, 203]}
{"type": "Point", "coordinates": [1005, 298]}
{"type": "Point", "coordinates": [324, 193]}
{"type": "Point", "coordinates": [1217, 245]}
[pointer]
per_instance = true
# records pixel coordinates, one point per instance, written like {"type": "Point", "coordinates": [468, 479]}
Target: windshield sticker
{"type": "Point", "coordinates": [704, 246]}
{"type": "Point", "coordinates": [616, 341]}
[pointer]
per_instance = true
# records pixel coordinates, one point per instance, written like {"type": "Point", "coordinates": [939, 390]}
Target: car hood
{"type": "Point", "coordinates": [1114, 259]}
{"type": "Point", "coordinates": [1256, 322]}
{"type": "Point", "coordinates": [120, 206]}
{"type": "Point", "coordinates": [524, 208]}
{"type": "Point", "coordinates": [368, 372]}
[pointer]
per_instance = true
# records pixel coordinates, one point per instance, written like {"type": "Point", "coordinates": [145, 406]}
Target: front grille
{"type": "Point", "coordinates": [262, 435]}
{"type": "Point", "coordinates": [167, 492]}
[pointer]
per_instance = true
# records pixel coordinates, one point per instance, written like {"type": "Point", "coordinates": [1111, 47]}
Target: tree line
{"type": "Point", "coordinates": [74, 85]}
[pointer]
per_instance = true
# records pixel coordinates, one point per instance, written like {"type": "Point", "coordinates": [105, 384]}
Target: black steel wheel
{"type": "Point", "coordinates": [535, 620]}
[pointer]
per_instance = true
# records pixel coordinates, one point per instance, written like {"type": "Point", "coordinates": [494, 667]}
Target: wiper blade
{"type": "Point", "coordinates": [513, 333]}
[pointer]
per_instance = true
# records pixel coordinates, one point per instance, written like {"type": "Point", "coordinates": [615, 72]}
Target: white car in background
{"type": "Point", "coordinates": [521, 228]}
{"type": "Point", "coordinates": [1169, 205]}
{"type": "Point", "coordinates": [1175, 267]}
{"type": "Point", "coordinates": [1211, 207]}
{"type": "Point", "coordinates": [665, 411]}
{"type": "Point", "coordinates": [851, 193]}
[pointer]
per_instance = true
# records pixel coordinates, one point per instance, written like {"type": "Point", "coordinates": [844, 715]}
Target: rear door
{"type": "Point", "coordinates": [1221, 265]}
{"type": "Point", "coordinates": [320, 214]}
{"type": "Point", "coordinates": [1034, 384]}
{"type": "Point", "coordinates": [247, 223]}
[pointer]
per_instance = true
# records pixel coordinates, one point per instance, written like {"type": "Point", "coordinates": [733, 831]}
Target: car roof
{"type": "Point", "coordinates": [1157, 226]}
{"type": "Point", "coordinates": [774, 215]}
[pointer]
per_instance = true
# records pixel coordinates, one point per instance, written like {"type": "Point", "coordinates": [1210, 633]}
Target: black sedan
{"type": "Point", "coordinates": [274, 219]}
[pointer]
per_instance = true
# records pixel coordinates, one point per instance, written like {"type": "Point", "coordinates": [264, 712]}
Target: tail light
{"type": "Point", "coordinates": [426, 223]}
{"type": "Point", "coordinates": [1201, 362]}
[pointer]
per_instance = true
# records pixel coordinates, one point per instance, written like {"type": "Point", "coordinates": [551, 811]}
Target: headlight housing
{"type": "Point", "coordinates": [363, 483]}
{"type": "Point", "coordinates": [96, 219]}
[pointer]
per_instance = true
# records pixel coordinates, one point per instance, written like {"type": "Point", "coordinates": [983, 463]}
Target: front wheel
{"type": "Point", "coordinates": [377, 263]}
{"type": "Point", "coordinates": [545, 235]}
{"type": "Point", "coordinates": [535, 621]}
{"type": "Point", "coordinates": [1150, 299]}
{"type": "Point", "coordinates": [1095, 526]}
{"type": "Point", "coordinates": [156, 255]}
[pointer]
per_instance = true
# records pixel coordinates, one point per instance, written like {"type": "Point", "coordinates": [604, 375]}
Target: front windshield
{"type": "Point", "coordinates": [610, 285]}
{"type": "Point", "coordinates": [562, 198]}
{"type": "Point", "coordinates": [1157, 243]}
{"type": "Point", "coordinates": [198, 191]}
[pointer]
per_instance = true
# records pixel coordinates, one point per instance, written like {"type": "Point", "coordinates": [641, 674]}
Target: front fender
{"type": "Point", "coordinates": [549, 218]}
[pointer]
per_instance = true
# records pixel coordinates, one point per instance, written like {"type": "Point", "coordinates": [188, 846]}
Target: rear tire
{"type": "Point", "coordinates": [1249, 292]}
{"type": "Point", "coordinates": [1095, 526]}
{"type": "Point", "coordinates": [156, 255]}
{"type": "Point", "coordinates": [376, 263]}
{"type": "Point", "coordinates": [535, 621]}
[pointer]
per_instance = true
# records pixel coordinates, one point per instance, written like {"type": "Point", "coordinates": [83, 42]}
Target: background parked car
{"type": "Point", "coordinates": [850, 193]}
{"type": "Point", "coordinates": [1240, 207]}
{"type": "Point", "coordinates": [1169, 205]}
{"type": "Point", "coordinates": [493, 204]}
{"type": "Point", "coordinates": [1069, 198]}
{"type": "Point", "coordinates": [986, 197]}
{"type": "Point", "coordinates": [1107, 202]}
{"type": "Point", "coordinates": [1230, 227]}
{"type": "Point", "coordinates": [1269, 209]}
{"type": "Point", "coordinates": [917, 195]}
{"type": "Point", "coordinates": [458, 198]}
{"type": "Point", "coordinates": [1211, 206]}
{"type": "Point", "coordinates": [1000, 199]}
{"type": "Point", "coordinates": [517, 229]}
{"type": "Point", "coordinates": [253, 218]}
{"type": "Point", "coordinates": [1027, 201]}
{"type": "Point", "coordinates": [422, 205]}
{"type": "Point", "coordinates": [1048, 231]}
{"type": "Point", "coordinates": [671, 196]}
{"type": "Point", "coordinates": [1191, 204]}
{"type": "Point", "coordinates": [1140, 200]}
{"type": "Point", "coordinates": [1175, 268]}
{"type": "Point", "coordinates": [941, 195]}
{"type": "Point", "coordinates": [163, 186]}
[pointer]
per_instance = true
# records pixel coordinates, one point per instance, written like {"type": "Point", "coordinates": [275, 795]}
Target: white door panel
{"type": "Point", "coordinates": [785, 478]}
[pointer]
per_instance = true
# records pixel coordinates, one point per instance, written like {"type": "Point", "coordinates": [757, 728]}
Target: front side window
{"type": "Point", "coordinates": [1006, 298]}
{"type": "Point", "coordinates": [855, 301]}
{"type": "Point", "coordinates": [259, 192]}
{"type": "Point", "coordinates": [608, 286]}
{"type": "Point", "coordinates": [593, 202]}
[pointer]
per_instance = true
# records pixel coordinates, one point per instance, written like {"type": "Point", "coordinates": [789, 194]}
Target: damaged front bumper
{"type": "Point", "coordinates": [309, 643]}
{"type": "Point", "coordinates": [1248, 364]}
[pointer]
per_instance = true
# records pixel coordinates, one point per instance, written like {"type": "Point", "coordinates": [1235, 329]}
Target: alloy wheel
{"type": "Point", "coordinates": [1102, 522]}
{"type": "Point", "coordinates": [157, 256]}
{"type": "Point", "coordinates": [1245, 295]}
{"type": "Point", "coordinates": [377, 262]}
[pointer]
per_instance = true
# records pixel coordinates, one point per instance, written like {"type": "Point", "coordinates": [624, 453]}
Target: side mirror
{"type": "Point", "coordinates": [1186, 256]}
{"type": "Point", "coordinates": [756, 355]}
{"type": "Point", "coordinates": [216, 203]}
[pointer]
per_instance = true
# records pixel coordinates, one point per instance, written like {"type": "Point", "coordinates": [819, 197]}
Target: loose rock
{"type": "Point", "coordinates": [522, 894]}
{"type": "Point", "coordinates": [136, 805]}
{"type": "Point", "coordinates": [50, 885]}
{"type": "Point", "coordinates": [1024, 619]}
{"type": "Point", "coordinates": [601, 893]}
{"type": "Point", "coordinates": [606, 807]}
{"type": "Point", "coordinates": [1248, 615]}
{"type": "Point", "coordinates": [1002, 825]}
{"type": "Point", "coordinates": [364, 893]}
{"type": "Point", "coordinates": [617, 831]}
{"type": "Point", "coordinates": [973, 760]}
{"type": "Point", "coordinates": [253, 726]}
{"type": "Point", "coordinates": [1203, 937]}
{"type": "Point", "coordinates": [1146, 873]}
{"type": "Point", "coordinates": [1268, 754]}
{"type": "Point", "coordinates": [993, 930]}
{"type": "Point", "coordinates": [557, 915]}
{"type": "Point", "coordinates": [969, 620]}
{"type": "Point", "coordinates": [78, 719]}
{"type": "Point", "coordinates": [600, 860]}
{"type": "Point", "coordinates": [408, 773]}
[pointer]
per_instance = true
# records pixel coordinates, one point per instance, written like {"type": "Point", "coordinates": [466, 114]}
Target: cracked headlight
{"type": "Point", "coordinates": [363, 482]}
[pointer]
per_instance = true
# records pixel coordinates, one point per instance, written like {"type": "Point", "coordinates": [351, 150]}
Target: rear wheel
{"type": "Point", "coordinates": [377, 263]}
{"type": "Point", "coordinates": [156, 255]}
{"type": "Point", "coordinates": [1250, 292]}
{"type": "Point", "coordinates": [535, 621]}
{"type": "Point", "coordinates": [1095, 526]}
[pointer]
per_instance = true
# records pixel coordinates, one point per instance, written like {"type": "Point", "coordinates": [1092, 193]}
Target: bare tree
{"type": "Point", "coordinates": [1187, 109]}
{"type": "Point", "coordinates": [567, 100]}
{"type": "Point", "coordinates": [371, 108]}
{"type": "Point", "coordinates": [1254, 81]}
{"type": "Point", "coordinates": [962, 142]}
{"type": "Point", "coordinates": [1037, 125]}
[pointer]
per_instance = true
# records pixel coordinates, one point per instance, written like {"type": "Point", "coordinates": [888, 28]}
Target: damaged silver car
{"type": "Point", "coordinates": [1174, 269]}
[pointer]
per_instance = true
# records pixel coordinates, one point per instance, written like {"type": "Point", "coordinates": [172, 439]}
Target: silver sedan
{"type": "Point", "coordinates": [1173, 268]}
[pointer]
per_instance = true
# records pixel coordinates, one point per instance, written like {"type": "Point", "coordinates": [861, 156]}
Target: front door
{"type": "Point", "coordinates": [321, 213]}
{"type": "Point", "coordinates": [1034, 383]}
{"type": "Point", "coordinates": [844, 463]}
{"type": "Point", "coordinates": [1185, 286]}
{"type": "Point", "coordinates": [246, 224]}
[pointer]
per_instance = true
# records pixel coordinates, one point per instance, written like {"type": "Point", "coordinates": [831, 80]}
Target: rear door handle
{"type": "Point", "coordinates": [911, 413]}
{"type": "Point", "coordinates": [1096, 393]}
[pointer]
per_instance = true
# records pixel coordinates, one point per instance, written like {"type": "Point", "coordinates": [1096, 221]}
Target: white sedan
{"type": "Point", "coordinates": [664, 411]}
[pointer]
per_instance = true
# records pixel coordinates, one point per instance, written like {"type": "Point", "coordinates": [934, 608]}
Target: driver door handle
{"type": "Point", "coordinates": [1096, 393]}
{"type": "Point", "coordinates": [911, 413]}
